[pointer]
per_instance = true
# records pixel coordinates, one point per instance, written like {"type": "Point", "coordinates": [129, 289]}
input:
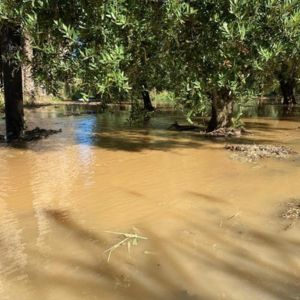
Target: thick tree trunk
{"type": "Point", "coordinates": [147, 101]}
{"type": "Point", "coordinates": [28, 82]}
{"type": "Point", "coordinates": [221, 110]}
{"type": "Point", "coordinates": [10, 43]}
{"type": "Point", "coordinates": [1, 72]}
{"type": "Point", "coordinates": [213, 122]}
{"type": "Point", "coordinates": [287, 90]}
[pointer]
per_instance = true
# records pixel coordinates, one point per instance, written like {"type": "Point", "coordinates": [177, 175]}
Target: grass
{"type": "Point", "coordinates": [164, 98]}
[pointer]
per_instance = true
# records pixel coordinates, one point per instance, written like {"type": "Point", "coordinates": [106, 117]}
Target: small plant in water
{"type": "Point", "coordinates": [138, 115]}
{"type": "Point", "coordinates": [237, 120]}
{"type": "Point", "coordinates": [129, 239]}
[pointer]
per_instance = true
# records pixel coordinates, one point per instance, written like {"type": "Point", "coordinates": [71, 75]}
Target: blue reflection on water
{"type": "Point", "coordinates": [84, 129]}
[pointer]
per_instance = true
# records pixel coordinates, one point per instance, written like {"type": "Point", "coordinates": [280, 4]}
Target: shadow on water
{"type": "Point", "coordinates": [167, 274]}
{"type": "Point", "coordinates": [209, 198]}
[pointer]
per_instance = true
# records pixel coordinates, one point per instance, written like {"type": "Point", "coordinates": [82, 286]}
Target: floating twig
{"type": "Point", "coordinates": [129, 239]}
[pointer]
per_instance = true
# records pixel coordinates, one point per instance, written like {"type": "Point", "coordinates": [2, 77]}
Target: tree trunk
{"type": "Point", "coordinates": [147, 101]}
{"type": "Point", "coordinates": [12, 78]}
{"type": "Point", "coordinates": [221, 110]}
{"type": "Point", "coordinates": [67, 90]}
{"type": "Point", "coordinates": [1, 72]}
{"type": "Point", "coordinates": [287, 90]}
{"type": "Point", "coordinates": [28, 82]}
{"type": "Point", "coordinates": [213, 122]}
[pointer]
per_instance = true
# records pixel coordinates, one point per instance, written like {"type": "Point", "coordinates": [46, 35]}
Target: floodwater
{"type": "Point", "coordinates": [212, 223]}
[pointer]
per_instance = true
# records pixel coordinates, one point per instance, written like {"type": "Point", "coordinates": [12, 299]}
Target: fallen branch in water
{"type": "Point", "coordinates": [129, 239]}
{"type": "Point", "coordinates": [175, 126]}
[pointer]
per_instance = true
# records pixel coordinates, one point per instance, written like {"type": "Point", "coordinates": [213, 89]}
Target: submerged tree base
{"type": "Point", "coordinates": [33, 135]}
{"type": "Point", "coordinates": [255, 152]}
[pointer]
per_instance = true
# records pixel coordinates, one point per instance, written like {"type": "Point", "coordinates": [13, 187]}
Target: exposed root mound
{"type": "Point", "coordinates": [255, 152]}
{"type": "Point", "coordinates": [34, 134]}
{"type": "Point", "coordinates": [291, 210]}
{"type": "Point", "coordinates": [226, 132]}
{"type": "Point", "coordinates": [38, 133]}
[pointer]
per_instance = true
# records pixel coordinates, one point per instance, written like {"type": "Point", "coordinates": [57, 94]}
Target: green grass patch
{"type": "Point", "coordinates": [1, 102]}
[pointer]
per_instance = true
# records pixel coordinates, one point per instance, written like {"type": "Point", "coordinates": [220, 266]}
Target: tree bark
{"type": "Point", "coordinates": [213, 122]}
{"type": "Point", "coordinates": [1, 72]}
{"type": "Point", "coordinates": [221, 110]}
{"type": "Point", "coordinates": [147, 100]}
{"type": "Point", "coordinates": [28, 82]}
{"type": "Point", "coordinates": [287, 87]}
{"type": "Point", "coordinates": [10, 43]}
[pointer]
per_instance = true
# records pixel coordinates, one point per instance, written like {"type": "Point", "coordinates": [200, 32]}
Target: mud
{"type": "Point", "coordinates": [291, 210]}
{"type": "Point", "coordinates": [258, 151]}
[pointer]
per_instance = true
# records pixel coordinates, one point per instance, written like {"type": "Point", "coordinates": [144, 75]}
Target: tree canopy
{"type": "Point", "coordinates": [209, 53]}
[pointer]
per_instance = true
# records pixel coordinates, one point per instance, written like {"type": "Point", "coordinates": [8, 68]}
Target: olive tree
{"type": "Point", "coordinates": [277, 27]}
{"type": "Point", "coordinates": [211, 57]}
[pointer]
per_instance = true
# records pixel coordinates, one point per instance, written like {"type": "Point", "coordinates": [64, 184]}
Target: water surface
{"type": "Point", "coordinates": [212, 223]}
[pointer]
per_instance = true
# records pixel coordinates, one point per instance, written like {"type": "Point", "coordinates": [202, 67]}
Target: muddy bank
{"type": "Point", "coordinates": [226, 132]}
{"type": "Point", "coordinates": [256, 151]}
{"type": "Point", "coordinates": [291, 210]}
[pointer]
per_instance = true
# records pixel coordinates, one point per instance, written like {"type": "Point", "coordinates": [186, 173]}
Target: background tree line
{"type": "Point", "coordinates": [209, 54]}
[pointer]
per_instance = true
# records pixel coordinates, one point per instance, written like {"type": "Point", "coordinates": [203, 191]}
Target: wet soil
{"type": "Point", "coordinates": [259, 151]}
{"type": "Point", "coordinates": [291, 210]}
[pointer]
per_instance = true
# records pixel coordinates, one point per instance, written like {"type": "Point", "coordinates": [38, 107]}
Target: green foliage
{"type": "Point", "coordinates": [164, 98]}
{"type": "Point", "coordinates": [193, 49]}
{"type": "Point", "coordinates": [277, 38]}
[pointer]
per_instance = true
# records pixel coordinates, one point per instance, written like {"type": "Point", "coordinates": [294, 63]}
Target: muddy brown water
{"type": "Point", "coordinates": [212, 223]}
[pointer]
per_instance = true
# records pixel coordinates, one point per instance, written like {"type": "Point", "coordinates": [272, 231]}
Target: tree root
{"type": "Point", "coordinates": [33, 135]}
